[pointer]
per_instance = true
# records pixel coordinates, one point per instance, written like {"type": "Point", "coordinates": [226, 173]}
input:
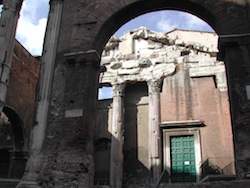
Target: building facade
{"type": "Point", "coordinates": [169, 120]}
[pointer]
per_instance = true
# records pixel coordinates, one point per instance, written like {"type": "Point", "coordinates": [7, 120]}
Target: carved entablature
{"type": "Point", "coordinates": [143, 55]}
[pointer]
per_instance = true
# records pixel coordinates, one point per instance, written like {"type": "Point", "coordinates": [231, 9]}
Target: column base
{"type": "Point", "coordinates": [156, 169]}
{"type": "Point", "coordinates": [27, 184]}
{"type": "Point", "coordinates": [29, 181]}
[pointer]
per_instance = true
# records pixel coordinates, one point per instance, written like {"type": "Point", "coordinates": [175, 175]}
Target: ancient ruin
{"type": "Point", "coordinates": [165, 86]}
{"type": "Point", "coordinates": [149, 73]}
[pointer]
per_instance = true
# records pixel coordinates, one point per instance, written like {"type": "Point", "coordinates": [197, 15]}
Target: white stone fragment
{"type": "Point", "coordinates": [73, 113]}
{"type": "Point", "coordinates": [115, 65]}
{"type": "Point", "coordinates": [144, 55]}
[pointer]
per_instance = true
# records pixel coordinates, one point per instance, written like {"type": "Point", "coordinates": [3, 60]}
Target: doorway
{"type": "Point", "coordinates": [182, 158]}
{"type": "Point", "coordinates": [182, 154]}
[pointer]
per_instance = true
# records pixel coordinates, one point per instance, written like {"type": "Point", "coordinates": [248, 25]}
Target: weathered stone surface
{"type": "Point", "coordinates": [156, 63]}
{"type": "Point", "coordinates": [88, 28]}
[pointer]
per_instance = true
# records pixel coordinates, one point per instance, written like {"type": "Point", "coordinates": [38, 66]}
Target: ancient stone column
{"type": "Point", "coordinates": [154, 87]}
{"type": "Point", "coordinates": [43, 95]}
{"type": "Point", "coordinates": [116, 163]}
{"type": "Point", "coordinates": [8, 24]}
{"type": "Point", "coordinates": [235, 51]}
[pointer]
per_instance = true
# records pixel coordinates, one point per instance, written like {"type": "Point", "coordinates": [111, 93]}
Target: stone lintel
{"type": "Point", "coordinates": [217, 71]}
{"type": "Point", "coordinates": [206, 71]}
{"type": "Point", "coordinates": [231, 40]}
{"type": "Point", "coordinates": [183, 124]}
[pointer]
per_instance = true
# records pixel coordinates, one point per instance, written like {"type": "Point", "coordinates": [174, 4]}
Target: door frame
{"type": "Point", "coordinates": [167, 133]}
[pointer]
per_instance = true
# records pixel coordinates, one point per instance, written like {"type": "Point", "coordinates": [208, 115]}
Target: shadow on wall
{"type": "Point", "coordinates": [136, 165]}
{"type": "Point", "coordinates": [102, 161]}
{"type": "Point", "coordinates": [135, 150]}
{"type": "Point", "coordinates": [102, 143]}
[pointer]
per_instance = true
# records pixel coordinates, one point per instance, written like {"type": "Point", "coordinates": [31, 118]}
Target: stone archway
{"type": "Point", "coordinates": [66, 111]}
{"type": "Point", "coordinates": [14, 144]}
{"type": "Point", "coordinates": [17, 127]}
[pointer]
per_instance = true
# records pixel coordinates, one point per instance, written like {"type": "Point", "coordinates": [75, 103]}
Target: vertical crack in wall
{"type": "Point", "coordinates": [188, 95]}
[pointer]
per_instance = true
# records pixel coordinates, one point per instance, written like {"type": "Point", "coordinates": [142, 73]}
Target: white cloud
{"type": "Point", "coordinates": [31, 36]}
{"type": "Point", "coordinates": [168, 20]}
{"type": "Point", "coordinates": [192, 22]}
{"type": "Point", "coordinates": [31, 26]}
{"type": "Point", "coordinates": [164, 23]}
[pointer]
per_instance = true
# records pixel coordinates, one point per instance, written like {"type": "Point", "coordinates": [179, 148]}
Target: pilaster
{"type": "Point", "coordinates": [31, 176]}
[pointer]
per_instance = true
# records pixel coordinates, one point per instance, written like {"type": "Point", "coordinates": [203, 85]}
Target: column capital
{"type": "Point", "coordinates": [90, 57]}
{"type": "Point", "coordinates": [154, 86]}
{"type": "Point", "coordinates": [118, 89]}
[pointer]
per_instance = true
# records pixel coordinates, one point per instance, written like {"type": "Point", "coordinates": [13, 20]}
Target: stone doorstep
{"type": "Point", "coordinates": [218, 177]}
{"type": "Point", "coordinates": [9, 180]}
{"type": "Point", "coordinates": [214, 184]}
{"type": "Point", "coordinates": [8, 183]}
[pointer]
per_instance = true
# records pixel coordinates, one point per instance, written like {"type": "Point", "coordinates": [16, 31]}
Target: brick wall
{"type": "Point", "coordinates": [22, 85]}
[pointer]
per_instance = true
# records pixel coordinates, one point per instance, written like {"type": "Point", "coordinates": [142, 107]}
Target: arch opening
{"type": "Point", "coordinates": [182, 85]}
{"type": "Point", "coordinates": [13, 156]}
{"type": "Point", "coordinates": [142, 7]}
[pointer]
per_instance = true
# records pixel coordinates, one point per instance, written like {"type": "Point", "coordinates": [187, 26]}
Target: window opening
{"type": "Point", "coordinates": [105, 92]}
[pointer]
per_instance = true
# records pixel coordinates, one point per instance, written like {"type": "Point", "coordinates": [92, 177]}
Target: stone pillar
{"type": "Point", "coordinates": [8, 24]}
{"type": "Point", "coordinates": [154, 87]}
{"type": "Point", "coordinates": [235, 51]}
{"type": "Point", "coordinates": [69, 149]}
{"type": "Point", "coordinates": [116, 163]}
{"type": "Point", "coordinates": [43, 95]}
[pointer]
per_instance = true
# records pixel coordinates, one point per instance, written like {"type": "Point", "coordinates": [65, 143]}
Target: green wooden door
{"type": "Point", "coordinates": [182, 159]}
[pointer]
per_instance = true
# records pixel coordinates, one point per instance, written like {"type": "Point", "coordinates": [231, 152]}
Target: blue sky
{"type": "Point", "coordinates": [164, 21]}
{"type": "Point", "coordinates": [33, 19]}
